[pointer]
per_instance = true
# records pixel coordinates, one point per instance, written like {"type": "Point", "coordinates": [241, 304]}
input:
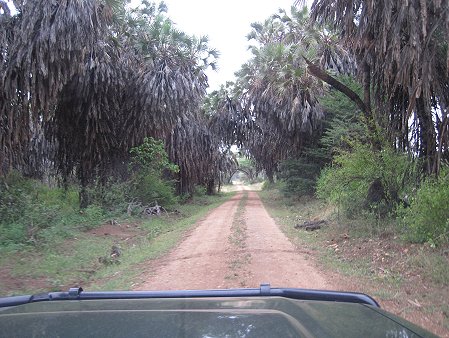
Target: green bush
{"type": "Point", "coordinates": [16, 193]}
{"type": "Point", "coordinates": [200, 191]}
{"type": "Point", "coordinates": [149, 187]}
{"type": "Point", "coordinates": [12, 234]}
{"type": "Point", "coordinates": [151, 164]}
{"type": "Point", "coordinates": [151, 155]}
{"type": "Point", "coordinates": [92, 216]}
{"type": "Point", "coordinates": [344, 122]}
{"type": "Point", "coordinates": [427, 218]}
{"type": "Point", "coordinates": [33, 213]}
{"type": "Point", "coordinates": [365, 180]}
{"type": "Point", "coordinates": [299, 176]}
{"type": "Point", "coordinates": [267, 185]}
{"type": "Point", "coordinates": [112, 196]}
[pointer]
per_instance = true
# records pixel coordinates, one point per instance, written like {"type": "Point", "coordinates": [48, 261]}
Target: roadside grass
{"type": "Point", "coordinates": [73, 259]}
{"type": "Point", "coordinates": [288, 212]}
{"type": "Point", "coordinates": [163, 234]}
{"type": "Point", "coordinates": [46, 217]}
{"type": "Point", "coordinates": [435, 267]}
{"type": "Point", "coordinates": [411, 280]}
{"type": "Point", "coordinates": [238, 229]}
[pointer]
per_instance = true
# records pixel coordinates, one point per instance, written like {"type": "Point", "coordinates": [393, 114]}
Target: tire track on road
{"type": "Point", "coordinates": [199, 262]}
{"type": "Point", "coordinates": [274, 258]}
{"type": "Point", "coordinates": [236, 245]}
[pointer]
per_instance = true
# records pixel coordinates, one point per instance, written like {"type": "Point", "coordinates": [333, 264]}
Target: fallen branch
{"type": "Point", "coordinates": [311, 226]}
{"type": "Point", "coordinates": [132, 206]}
{"type": "Point", "coordinates": [147, 210]}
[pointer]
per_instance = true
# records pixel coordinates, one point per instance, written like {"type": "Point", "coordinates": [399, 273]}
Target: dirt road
{"type": "Point", "coordinates": [236, 245]}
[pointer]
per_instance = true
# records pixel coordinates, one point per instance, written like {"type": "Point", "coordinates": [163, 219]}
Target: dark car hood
{"type": "Point", "coordinates": [202, 317]}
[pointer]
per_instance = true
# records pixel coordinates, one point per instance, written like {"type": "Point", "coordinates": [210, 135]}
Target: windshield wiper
{"type": "Point", "coordinates": [264, 291]}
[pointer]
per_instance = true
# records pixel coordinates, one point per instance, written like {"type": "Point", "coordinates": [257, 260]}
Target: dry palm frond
{"type": "Point", "coordinates": [47, 43]}
{"type": "Point", "coordinates": [199, 154]}
{"type": "Point", "coordinates": [403, 47]}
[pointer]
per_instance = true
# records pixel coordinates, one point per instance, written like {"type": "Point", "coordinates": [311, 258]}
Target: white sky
{"type": "Point", "coordinates": [226, 23]}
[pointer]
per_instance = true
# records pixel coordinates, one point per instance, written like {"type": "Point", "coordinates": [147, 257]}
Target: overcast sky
{"type": "Point", "coordinates": [226, 22]}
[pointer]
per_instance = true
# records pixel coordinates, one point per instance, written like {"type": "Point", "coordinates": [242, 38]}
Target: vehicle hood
{"type": "Point", "coordinates": [202, 317]}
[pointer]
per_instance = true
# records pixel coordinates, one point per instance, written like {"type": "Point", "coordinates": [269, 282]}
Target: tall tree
{"type": "Point", "coordinates": [92, 78]}
{"type": "Point", "coordinates": [402, 53]}
{"type": "Point", "coordinates": [42, 48]}
{"type": "Point", "coordinates": [201, 156]}
{"type": "Point", "coordinates": [278, 111]}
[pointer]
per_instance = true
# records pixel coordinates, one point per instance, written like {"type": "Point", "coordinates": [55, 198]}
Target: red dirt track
{"type": "Point", "coordinates": [212, 257]}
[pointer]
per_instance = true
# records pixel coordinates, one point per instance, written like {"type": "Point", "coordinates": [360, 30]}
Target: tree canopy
{"type": "Point", "coordinates": [84, 81]}
{"type": "Point", "coordinates": [401, 50]}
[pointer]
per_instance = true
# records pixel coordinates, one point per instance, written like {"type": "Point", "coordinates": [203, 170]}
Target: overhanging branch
{"type": "Point", "coordinates": [322, 75]}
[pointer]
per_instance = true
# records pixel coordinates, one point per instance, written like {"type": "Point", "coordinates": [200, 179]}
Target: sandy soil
{"type": "Point", "coordinates": [274, 258]}
{"type": "Point", "coordinates": [234, 247]}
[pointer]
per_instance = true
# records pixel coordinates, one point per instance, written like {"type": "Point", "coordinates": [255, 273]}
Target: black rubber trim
{"type": "Point", "coordinates": [264, 291]}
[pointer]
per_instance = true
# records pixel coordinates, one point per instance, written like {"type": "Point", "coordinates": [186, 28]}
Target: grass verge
{"type": "Point", "coordinates": [164, 233]}
{"type": "Point", "coordinates": [410, 280]}
{"type": "Point", "coordinates": [75, 261]}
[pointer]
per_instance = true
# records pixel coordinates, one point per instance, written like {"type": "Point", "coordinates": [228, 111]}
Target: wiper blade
{"type": "Point", "coordinates": [264, 291]}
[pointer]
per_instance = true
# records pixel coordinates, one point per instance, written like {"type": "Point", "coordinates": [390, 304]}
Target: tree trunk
{"type": "Point", "coordinates": [270, 175]}
{"type": "Point", "coordinates": [428, 135]}
{"type": "Point", "coordinates": [83, 194]}
{"type": "Point", "coordinates": [367, 87]}
{"type": "Point", "coordinates": [210, 187]}
{"type": "Point", "coordinates": [443, 130]}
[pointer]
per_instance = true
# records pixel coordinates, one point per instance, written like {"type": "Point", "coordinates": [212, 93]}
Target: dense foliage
{"type": "Point", "coordinates": [300, 176]}
{"type": "Point", "coordinates": [85, 81]}
{"type": "Point", "coordinates": [32, 213]}
{"type": "Point", "coordinates": [361, 180]}
{"type": "Point", "coordinates": [147, 184]}
{"type": "Point", "coordinates": [402, 57]}
{"type": "Point", "coordinates": [427, 219]}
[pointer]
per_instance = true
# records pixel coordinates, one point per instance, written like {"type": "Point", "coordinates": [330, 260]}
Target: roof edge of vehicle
{"type": "Point", "coordinates": [265, 290]}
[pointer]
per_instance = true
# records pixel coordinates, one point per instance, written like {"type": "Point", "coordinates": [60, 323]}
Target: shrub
{"type": "Point", "coordinates": [15, 195]}
{"type": "Point", "coordinates": [267, 185]}
{"type": "Point", "coordinates": [12, 234]}
{"type": "Point", "coordinates": [151, 155]}
{"type": "Point", "coordinates": [33, 213]}
{"type": "Point", "coordinates": [200, 191]}
{"type": "Point", "coordinates": [151, 164]}
{"type": "Point", "coordinates": [300, 177]}
{"type": "Point", "coordinates": [112, 196]}
{"type": "Point", "coordinates": [363, 179]}
{"type": "Point", "coordinates": [427, 218]}
{"type": "Point", "coordinates": [148, 187]}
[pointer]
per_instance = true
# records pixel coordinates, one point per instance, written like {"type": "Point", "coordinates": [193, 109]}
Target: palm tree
{"type": "Point", "coordinates": [95, 83]}
{"type": "Point", "coordinates": [201, 156]}
{"type": "Point", "coordinates": [273, 108]}
{"type": "Point", "coordinates": [42, 48]}
{"type": "Point", "coordinates": [402, 54]}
